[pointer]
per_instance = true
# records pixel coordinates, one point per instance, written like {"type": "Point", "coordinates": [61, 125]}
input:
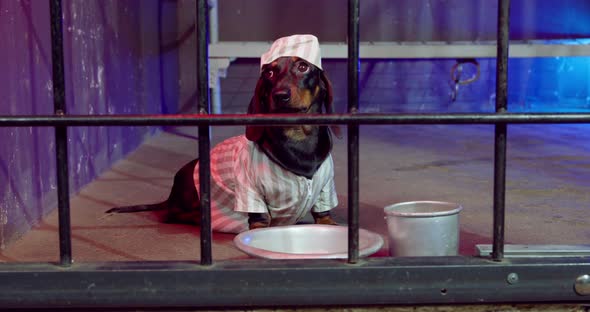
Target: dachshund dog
{"type": "Point", "coordinates": [275, 174]}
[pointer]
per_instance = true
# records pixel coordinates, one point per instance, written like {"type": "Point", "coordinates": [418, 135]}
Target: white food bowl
{"type": "Point", "coordinates": [305, 241]}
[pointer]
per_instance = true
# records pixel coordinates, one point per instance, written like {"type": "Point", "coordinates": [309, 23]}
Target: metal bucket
{"type": "Point", "coordinates": [423, 228]}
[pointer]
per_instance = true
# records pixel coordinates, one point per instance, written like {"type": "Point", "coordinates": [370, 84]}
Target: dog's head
{"type": "Point", "coordinates": [290, 85]}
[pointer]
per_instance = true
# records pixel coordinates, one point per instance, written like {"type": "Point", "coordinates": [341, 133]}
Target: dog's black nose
{"type": "Point", "coordinates": [282, 96]}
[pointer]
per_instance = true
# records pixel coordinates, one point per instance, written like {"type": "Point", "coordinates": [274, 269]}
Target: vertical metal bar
{"type": "Point", "coordinates": [204, 139]}
{"type": "Point", "coordinates": [501, 129]}
{"type": "Point", "coordinates": [61, 134]}
{"type": "Point", "coordinates": [353, 131]}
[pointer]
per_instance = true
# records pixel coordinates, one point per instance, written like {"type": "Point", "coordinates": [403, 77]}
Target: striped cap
{"type": "Point", "coordinates": [306, 47]}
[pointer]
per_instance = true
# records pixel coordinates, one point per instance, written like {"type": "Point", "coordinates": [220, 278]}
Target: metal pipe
{"type": "Point", "coordinates": [501, 130]}
{"type": "Point", "coordinates": [214, 38]}
{"type": "Point", "coordinates": [216, 107]}
{"type": "Point", "coordinates": [353, 131]}
{"type": "Point", "coordinates": [291, 119]}
{"type": "Point", "coordinates": [213, 21]}
{"type": "Point", "coordinates": [61, 134]}
{"type": "Point", "coordinates": [204, 139]}
{"type": "Point", "coordinates": [424, 50]}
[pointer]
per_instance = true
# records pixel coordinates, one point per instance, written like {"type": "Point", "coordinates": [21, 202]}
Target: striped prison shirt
{"type": "Point", "coordinates": [244, 180]}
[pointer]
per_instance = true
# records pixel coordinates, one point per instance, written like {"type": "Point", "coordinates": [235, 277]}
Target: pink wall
{"type": "Point", "coordinates": [112, 66]}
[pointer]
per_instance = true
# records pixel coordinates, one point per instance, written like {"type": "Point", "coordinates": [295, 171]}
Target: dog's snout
{"type": "Point", "coordinates": [282, 96]}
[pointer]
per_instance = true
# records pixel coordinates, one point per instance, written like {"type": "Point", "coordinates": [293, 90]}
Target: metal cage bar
{"type": "Point", "coordinates": [284, 119]}
{"type": "Point", "coordinates": [295, 283]}
{"type": "Point", "coordinates": [501, 129]}
{"type": "Point", "coordinates": [61, 133]}
{"type": "Point", "coordinates": [204, 132]}
{"type": "Point", "coordinates": [353, 131]}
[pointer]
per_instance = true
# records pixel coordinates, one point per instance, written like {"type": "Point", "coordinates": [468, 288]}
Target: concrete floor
{"type": "Point", "coordinates": [547, 191]}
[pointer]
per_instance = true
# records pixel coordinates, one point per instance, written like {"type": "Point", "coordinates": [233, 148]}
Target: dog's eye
{"type": "Point", "coordinates": [268, 73]}
{"type": "Point", "coordinates": [303, 67]}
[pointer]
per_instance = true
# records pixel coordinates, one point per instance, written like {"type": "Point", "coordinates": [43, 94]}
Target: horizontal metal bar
{"type": "Point", "coordinates": [416, 50]}
{"type": "Point", "coordinates": [427, 280]}
{"type": "Point", "coordinates": [284, 119]}
{"type": "Point", "coordinates": [519, 251]}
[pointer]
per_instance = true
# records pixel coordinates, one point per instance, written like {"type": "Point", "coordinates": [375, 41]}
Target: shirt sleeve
{"type": "Point", "coordinates": [328, 198]}
{"type": "Point", "coordinates": [249, 196]}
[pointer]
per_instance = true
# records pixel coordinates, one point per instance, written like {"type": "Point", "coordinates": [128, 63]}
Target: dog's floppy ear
{"type": "Point", "coordinates": [328, 102]}
{"type": "Point", "coordinates": [257, 106]}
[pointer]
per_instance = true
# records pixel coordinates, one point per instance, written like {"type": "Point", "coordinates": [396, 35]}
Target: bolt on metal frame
{"type": "Point", "coordinates": [260, 283]}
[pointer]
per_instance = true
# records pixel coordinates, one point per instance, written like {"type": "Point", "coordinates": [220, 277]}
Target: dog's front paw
{"type": "Point", "coordinates": [323, 217]}
{"type": "Point", "coordinates": [325, 220]}
{"type": "Point", "coordinates": [258, 225]}
{"type": "Point", "coordinates": [257, 220]}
